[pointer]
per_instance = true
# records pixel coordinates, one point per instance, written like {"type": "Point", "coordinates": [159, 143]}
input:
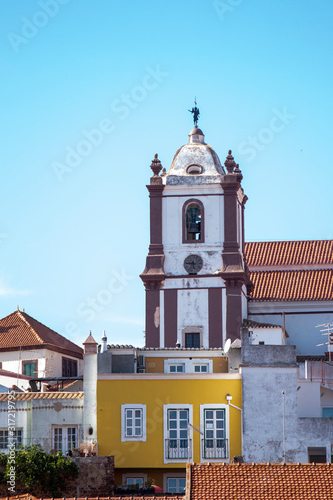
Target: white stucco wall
{"type": "Point", "coordinates": [10, 381]}
{"type": "Point", "coordinates": [20, 417]}
{"type": "Point", "coordinates": [62, 412]}
{"type": "Point", "coordinates": [263, 412]}
{"type": "Point", "coordinates": [90, 395]}
{"type": "Point", "coordinates": [12, 360]}
{"type": "Point", "coordinates": [174, 248]}
{"type": "Point", "coordinates": [263, 416]}
{"type": "Point", "coordinates": [270, 336]}
{"type": "Point", "coordinates": [308, 399]}
{"type": "Point", "coordinates": [49, 362]}
{"type": "Point", "coordinates": [189, 301]}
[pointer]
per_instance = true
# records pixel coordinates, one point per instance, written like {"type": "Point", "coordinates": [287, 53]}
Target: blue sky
{"type": "Point", "coordinates": [114, 82]}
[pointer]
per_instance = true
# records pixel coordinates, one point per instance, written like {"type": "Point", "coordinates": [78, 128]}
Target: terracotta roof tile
{"type": "Point", "coordinates": [261, 481]}
{"type": "Point", "coordinates": [255, 324]}
{"type": "Point", "coordinates": [20, 330]}
{"type": "Point", "coordinates": [316, 284]}
{"type": "Point", "coordinates": [28, 396]}
{"type": "Point", "coordinates": [280, 253]}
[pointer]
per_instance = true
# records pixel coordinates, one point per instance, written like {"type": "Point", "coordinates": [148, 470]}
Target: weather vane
{"type": "Point", "coordinates": [195, 111]}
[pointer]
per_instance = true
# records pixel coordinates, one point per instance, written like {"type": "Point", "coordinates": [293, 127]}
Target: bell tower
{"type": "Point", "coordinates": [196, 277]}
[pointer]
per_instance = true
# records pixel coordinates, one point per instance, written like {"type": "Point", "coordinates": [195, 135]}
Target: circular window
{"type": "Point", "coordinates": [194, 169]}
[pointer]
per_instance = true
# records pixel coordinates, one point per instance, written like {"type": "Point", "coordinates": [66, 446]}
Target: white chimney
{"type": "Point", "coordinates": [104, 346]}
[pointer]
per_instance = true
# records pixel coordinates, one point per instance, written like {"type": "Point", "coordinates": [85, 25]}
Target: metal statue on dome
{"type": "Point", "coordinates": [195, 111]}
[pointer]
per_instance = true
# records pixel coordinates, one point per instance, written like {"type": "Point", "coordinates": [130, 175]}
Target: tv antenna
{"type": "Point", "coordinates": [328, 330]}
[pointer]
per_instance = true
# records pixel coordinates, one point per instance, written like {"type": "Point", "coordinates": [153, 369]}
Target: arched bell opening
{"type": "Point", "coordinates": [193, 222]}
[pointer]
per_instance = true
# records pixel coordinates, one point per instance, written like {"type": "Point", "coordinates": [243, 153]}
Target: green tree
{"type": "Point", "coordinates": [40, 471]}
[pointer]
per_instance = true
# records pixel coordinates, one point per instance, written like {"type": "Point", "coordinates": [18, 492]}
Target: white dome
{"type": "Point", "coordinates": [195, 163]}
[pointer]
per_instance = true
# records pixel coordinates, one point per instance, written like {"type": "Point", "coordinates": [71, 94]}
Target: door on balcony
{"type": "Point", "coordinates": [64, 438]}
{"type": "Point", "coordinates": [177, 434]}
{"type": "Point", "coordinates": [214, 443]}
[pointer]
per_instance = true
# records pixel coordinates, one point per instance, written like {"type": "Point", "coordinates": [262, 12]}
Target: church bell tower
{"type": "Point", "coordinates": [196, 278]}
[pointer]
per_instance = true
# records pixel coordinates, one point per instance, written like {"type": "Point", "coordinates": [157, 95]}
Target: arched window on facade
{"type": "Point", "coordinates": [193, 222]}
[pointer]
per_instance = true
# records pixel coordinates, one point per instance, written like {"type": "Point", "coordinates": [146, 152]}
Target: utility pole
{"type": "Point", "coordinates": [284, 426]}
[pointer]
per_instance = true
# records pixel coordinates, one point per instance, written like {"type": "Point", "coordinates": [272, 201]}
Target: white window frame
{"type": "Point", "coordinates": [123, 423]}
{"type": "Point", "coordinates": [213, 406]}
{"type": "Point", "coordinates": [176, 365]}
{"type": "Point", "coordinates": [201, 364]}
{"type": "Point", "coordinates": [11, 438]}
{"type": "Point", "coordinates": [174, 475]}
{"type": "Point", "coordinates": [178, 406]}
{"type": "Point", "coordinates": [133, 476]}
{"type": "Point", "coordinates": [189, 365]}
{"type": "Point", "coordinates": [64, 439]}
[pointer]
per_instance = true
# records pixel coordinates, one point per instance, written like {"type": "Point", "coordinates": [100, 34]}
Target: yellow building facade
{"type": "Point", "coordinates": [154, 423]}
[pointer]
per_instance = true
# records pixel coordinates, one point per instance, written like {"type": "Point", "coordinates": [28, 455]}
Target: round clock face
{"type": "Point", "coordinates": [193, 264]}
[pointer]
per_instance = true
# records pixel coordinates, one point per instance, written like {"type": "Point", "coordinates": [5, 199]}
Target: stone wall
{"type": "Point", "coordinates": [96, 477]}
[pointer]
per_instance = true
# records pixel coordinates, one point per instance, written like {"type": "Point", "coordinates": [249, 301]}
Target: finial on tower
{"type": "Point", "coordinates": [230, 163]}
{"type": "Point", "coordinates": [195, 111]}
{"type": "Point", "coordinates": [156, 167]}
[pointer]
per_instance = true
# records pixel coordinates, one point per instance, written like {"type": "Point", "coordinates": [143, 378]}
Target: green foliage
{"type": "Point", "coordinates": [40, 471]}
{"type": "Point", "coordinates": [3, 459]}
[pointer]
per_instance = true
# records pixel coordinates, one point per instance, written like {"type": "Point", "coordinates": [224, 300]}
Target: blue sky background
{"type": "Point", "coordinates": [70, 66]}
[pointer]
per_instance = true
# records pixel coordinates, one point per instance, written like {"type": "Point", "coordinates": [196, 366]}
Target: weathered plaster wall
{"type": "Point", "coordinates": [49, 362]}
{"type": "Point", "coordinates": [263, 413]}
{"type": "Point", "coordinates": [308, 399]}
{"type": "Point", "coordinates": [266, 372]}
{"type": "Point", "coordinates": [189, 301]}
{"type": "Point", "coordinates": [46, 414]}
{"type": "Point", "coordinates": [90, 389]}
{"type": "Point", "coordinates": [271, 336]}
{"type": "Point", "coordinates": [268, 354]}
{"type": "Point", "coordinates": [174, 248]}
{"type": "Point", "coordinates": [20, 420]}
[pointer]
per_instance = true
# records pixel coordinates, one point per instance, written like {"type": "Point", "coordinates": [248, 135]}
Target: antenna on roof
{"type": "Point", "coordinates": [328, 330]}
{"type": "Point", "coordinates": [18, 308]}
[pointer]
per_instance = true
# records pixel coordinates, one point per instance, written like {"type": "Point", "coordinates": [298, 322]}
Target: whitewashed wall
{"type": "Point", "coordinates": [49, 362]}
{"type": "Point", "coordinates": [271, 336]}
{"type": "Point", "coordinates": [193, 300]}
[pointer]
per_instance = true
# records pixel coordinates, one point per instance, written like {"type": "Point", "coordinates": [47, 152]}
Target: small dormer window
{"type": "Point", "coordinates": [193, 222]}
{"type": "Point", "coordinates": [194, 169]}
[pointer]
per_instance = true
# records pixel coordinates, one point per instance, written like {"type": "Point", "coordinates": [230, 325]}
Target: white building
{"type": "Point", "coordinates": [27, 347]}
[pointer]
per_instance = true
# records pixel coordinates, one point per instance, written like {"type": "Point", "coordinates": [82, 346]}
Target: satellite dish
{"type": "Point", "coordinates": [227, 346]}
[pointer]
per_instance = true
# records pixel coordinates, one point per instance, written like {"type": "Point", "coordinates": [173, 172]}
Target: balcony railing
{"type": "Point", "coordinates": [215, 448]}
{"type": "Point", "coordinates": [178, 449]}
{"type": "Point", "coordinates": [318, 371]}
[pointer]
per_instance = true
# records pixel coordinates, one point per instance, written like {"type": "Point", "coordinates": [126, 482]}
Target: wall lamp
{"type": "Point", "coordinates": [229, 399]}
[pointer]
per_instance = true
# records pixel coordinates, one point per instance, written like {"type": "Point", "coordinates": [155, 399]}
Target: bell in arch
{"type": "Point", "coordinates": [193, 212]}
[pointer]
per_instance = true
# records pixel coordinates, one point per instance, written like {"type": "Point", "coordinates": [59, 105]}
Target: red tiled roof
{"type": "Point", "coordinates": [19, 330]}
{"type": "Point", "coordinates": [261, 481]}
{"type": "Point", "coordinates": [280, 253]}
{"type": "Point", "coordinates": [293, 285]}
